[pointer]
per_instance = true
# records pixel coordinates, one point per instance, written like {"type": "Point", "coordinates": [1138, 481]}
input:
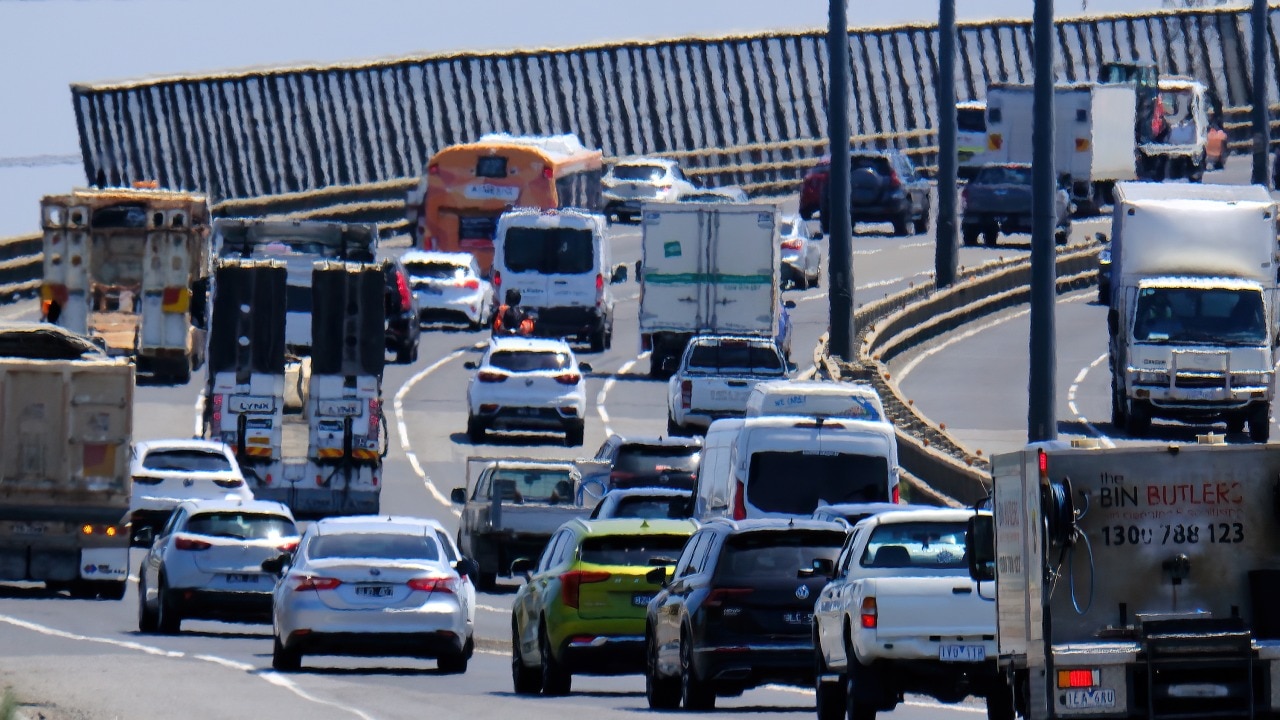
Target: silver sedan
{"type": "Point", "coordinates": [801, 254]}
{"type": "Point", "coordinates": [374, 586]}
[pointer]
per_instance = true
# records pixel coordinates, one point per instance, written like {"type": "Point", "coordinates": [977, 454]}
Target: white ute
{"type": "Point", "coordinates": [716, 374]}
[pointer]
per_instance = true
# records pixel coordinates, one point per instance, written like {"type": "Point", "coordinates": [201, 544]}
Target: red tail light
{"type": "Point", "coordinates": [571, 582]}
{"type": "Point", "coordinates": [686, 394]}
{"type": "Point", "coordinates": [546, 173]}
{"type": "Point", "coordinates": [311, 582]}
{"type": "Point", "coordinates": [740, 502]}
{"type": "Point", "coordinates": [720, 596]}
{"type": "Point", "coordinates": [471, 284]}
{"type": "Point", "coordinates": [795, 244]}
{"type": "Point", "coordinates": [869, 614]}
{"type": "Point", "coordinates": [288, 547]}
{"type": "Point", "coordinates": [186, 543]}
{"type": "Point", "coordinates": [568, 378]}
{"type": "Point", "coordinates": [897, 494]}
{"type": "Point", "coordinates": [217, 412]}
{"type": "Point", "coordinates": [434, 584]}
{"type": "Point", "coordinates": [497, 279]}
{"type": "Point", "coordinates": [403, 287]}
{"type": "Point", "coordinates": [490, 376]}
{"type": "Point", "coordinates": [894, 181]}
{"type": "Point", "coordinates": [599, 282]}
{"type": "Point", "coordinates": [433, 169]}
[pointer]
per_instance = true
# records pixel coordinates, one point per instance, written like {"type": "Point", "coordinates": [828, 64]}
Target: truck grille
{"type": "Point", "coordinates": [1186, 380]}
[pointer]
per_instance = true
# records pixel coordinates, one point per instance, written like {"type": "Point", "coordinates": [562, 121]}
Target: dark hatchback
{"type": "Point", "coordinates": [884, 186]}
{"type": "Point", "coordinates": [738, 611]}
{"type": "Point", "coordinates": [669, 462]}
{"type": "Point", "coordinates": [403, 326]}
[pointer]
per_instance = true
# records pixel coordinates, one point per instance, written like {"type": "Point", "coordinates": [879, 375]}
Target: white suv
{"type": "Point", "coordinates": [632, 182]}
{"type": "Point", "coordinates": [527, 384]}
{"type": "Point", "coordinates": [166, 472]}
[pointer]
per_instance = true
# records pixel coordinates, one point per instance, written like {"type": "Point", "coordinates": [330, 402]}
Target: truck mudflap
{"type": "Point", "coordinates": [105, 563]}
{"type": "Point", "coordinates": [313, 490]}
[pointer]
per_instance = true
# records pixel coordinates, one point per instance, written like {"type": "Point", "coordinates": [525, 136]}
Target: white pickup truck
{"type": "Point", "coordinates": [716, 375]}
{"type": "Point", "coordinates": [900, 615]}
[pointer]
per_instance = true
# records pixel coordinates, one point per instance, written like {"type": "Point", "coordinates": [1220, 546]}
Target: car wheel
{"type": "Point", "coordinates": [675, 429]}
{"type": "Point", "coordinates": [475, 430]}
{"type": "Point", "coordinates": [856, 708]}
{"type": "Point", "coordinates": [555, 680]}
{"type": "Point", "coordinates": [695, 693]}
{"type": "Point", "coordinates": [453, 664]}
{"type": "Point", "coordinates": [989, 236]}
{"type": "Point", "coordinates": [284, 660]}
{"type": "Point", "coordinates": [608, 338]}
{"type": "Point", "coordinates": [597, 341]}
{"type": "Point", "coordinates": [969, 235]}
{"type": "Point", "coordinates": [524, 679]}
{"type": "Point", "coordinates": [148, 619]}
{"type": "Point", "coordinates": [1062, 236]}
{"type": "Point", "coordinates": [831, 699]}
{"type": "Point", "coordinates": [661, 692]}
{"type": "Point", "coordinates": [169, 620]}
{"type": "Point", "coordinates": [1000, 702]}
{"type": "Point", "coordinates": [921, 224]}
{"type": "Point", "coordinates": [902, 224]}
{"type": "Point", "coordinates": [1260, 422]}
{"type": "Point", "coordinates": [1139, 418]}
{"type": "Point", "coordinates": [817, 278]}
{"type": "Point", "coordinates": [1119, 421]}
{"type": "Point", "coordinates": [573, 435]}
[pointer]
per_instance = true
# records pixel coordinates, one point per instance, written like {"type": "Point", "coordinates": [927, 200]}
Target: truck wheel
{"type": "Point", "coordinates": [1260, 422]}
{"type": "Point", "coordinates": [990, 235]}
{"type": "Point", "coordinates": [970, 235]}
{"type": "Point", "coordinates": [452, 664]}
{"type": "Point", "coordinates": [573, 435]}
{"type": "Point", "coordinates": [1139, 418]}
{"type": "Point", "coordinates": [475, 430]}
{"type": "Point", "coordinates": [598, 338]}
{"type": "Point", "coordinates": [524, 679]}
{"type": "Point", "coordinates": [1062, 235]}
{"type": "Point", "coordinates": [1000, 702]}
{"type": "Point", "coordinates": [555, 680]}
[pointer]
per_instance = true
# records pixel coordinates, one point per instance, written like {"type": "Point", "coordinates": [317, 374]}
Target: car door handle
{"type": "Point", "coordinates": [560, 282]}
{"type": "Point", "coordinates": [961, 590]}
{"type": "Point", "coordinates": [737, 383]}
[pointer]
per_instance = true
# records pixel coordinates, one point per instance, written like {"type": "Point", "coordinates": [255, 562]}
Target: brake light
{"type": "Point", "coordinates": [740, 501]}
{"type": "Point", "coordinates": [869, 614]}
{"type": "Point", "coordinates": [599, 282]}
{"type": "Point", "coordinates": [1043, 460]}
{"type": "Point", "coordinates": [490, 376]}
{"type": "Point", "coordinates": [186, 543]}
{"type": "Point", "coordinates": [228, 482]}
{"type": "Point", "coordinates": [217, 412]}
{"type": "Point", "coordinates": [434, 584]}
{"type": "Point", "coordinates": [1078, 678]}
{"type": "Point", "coordinates": [568, 378]}
{"type": "Point", "coordinates": [572, 581]}
{"type": "Point", "coordinates": [471, 284]}
{"type": "Point", "coordinates": [894, 181]}
{"type": "Point", "coordinates": [897, 495]}
{"type": "Point", "coordinates": [719, 596]}
{"type": "Point", "coordinates": [793, 244]}
{"type": "Point", "coordinates": [497, 279]}
{"type": "Point", "coordinates": [311, 582]}
{"type": "Point", "coordinates": [433, 169]}
{"type": "Point", "coordinates": [288, 547]}
{"type": "Point", "coordinates": [686, 394]}
{"type": "Point", "coordinates": [402, 286]}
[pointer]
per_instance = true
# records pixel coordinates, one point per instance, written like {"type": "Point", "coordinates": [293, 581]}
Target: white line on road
{"type": "Point", "coordinates": [604, 392]}
{"type": "Point", "coordinates": [490, 608]}
{"type": "Point", "coordinates": [1071, 400]}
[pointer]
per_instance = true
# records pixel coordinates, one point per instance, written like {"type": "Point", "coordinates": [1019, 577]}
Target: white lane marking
{"type": "Point", "coordinates": [953, 339]}
{"type": "Point", "coordinates": [490, 608]}
{"type": "Point", "coordinates": [604, 392]}
{"type": "Point", "coordinates": [198, 430]}
{"type": "Point", "coordinates": [397, 407]}
{"type": "Point", "coordinates": [1071, 400]}
{"type": "Point", "coordinates": [271, 677]}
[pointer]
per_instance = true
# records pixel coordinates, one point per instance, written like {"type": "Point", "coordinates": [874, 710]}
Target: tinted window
{"type": "Point", "coordinates": [491, 166]}
{"type": "Point", "coordinates": [656, 459]}
{"type": "Point", "coordinates": [449, 552]}
{"type": "Point", "coordinates": [435, 270]}
{"type": "Point", "coordinates": [736, 355]}
{"type": "Point", "coordinates": [794, 482]}
{"type": "Point", "coordinates": [297, 299]}
{"type": "Point", "coordinates": [877, 163]}
{"type": "Point", "coordinates": [528, 361]}
{"type": "Point", "coordinates": [645, 173]}
{"type": "Point", "coordinates": [1004, 176]}
{"type": "Point", "coordinates": [631, 549]}
{"type": "Point", "coordinates": [653, 508]}
{"type": "Point", "coordinates": [685, 565]}
{"type": "Point", "coordinates": [1196, 315]}
{"type": "Point", "coordinates": [935, 545]}
{"type": "Point", "coordinates": [242, 526]}
{"type": "Point", "coordinates": [477, 227]}
{"type": "Point", "coordinates": [748, 558]}
{"type": "Point", "coordinates": [186, 461]}
{"type": "Point", "coordinates": [549, 250]}
{"type": "Point", "coordinates": [971, 120]}
{"type": "Point", "coordinates": [391, 546]}
{"type": "Point", "coordinates": [533, 485]}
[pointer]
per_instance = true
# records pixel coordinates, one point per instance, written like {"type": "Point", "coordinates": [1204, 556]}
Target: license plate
{"type": "Point", "coordinates": [797, 618]}
{"type": "Point", "coordinates": [1200, 393]}
{"type": "Point", "coordinates": [1090, 698]}
{"type": "Point", "coordinates": [29, 528]}
{"type": "Point", "coordinates": [528, 412]}
{"type": "Point", "coordinates": [243, 579]}
{"type": "Point", "coordinates": [962, 653]}
{"type": "Point", "coordinates": [374, 590]}
{"type": "Point", "coordinates": [641, 600]}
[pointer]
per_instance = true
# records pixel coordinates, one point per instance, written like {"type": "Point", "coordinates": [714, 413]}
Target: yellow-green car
{"type": "Point", "coordinates": [582, 609]}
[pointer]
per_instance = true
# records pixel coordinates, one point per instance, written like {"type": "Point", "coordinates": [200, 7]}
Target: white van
{"type": "Point", "coordinates": [786, 466]}
{"type": "Point", "coordinates": [815, 398]}
{"type": "Point", "coordinates": [559, 261]}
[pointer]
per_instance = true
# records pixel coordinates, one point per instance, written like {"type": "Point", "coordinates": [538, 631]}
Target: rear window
{"type": "Point", "coordinates": [736, 355]}
{"type": "Point", "coordinates": [1004, 176]}
{"type": "Point", "coordinates": [927, 545]}
{"type": "Point", "coordinates": [631, 549]}
{"type": "Point", "coordinates": [532, 485]}
{"type": "Point", "coordinates": [562, 251]}
{"type": "Point", "coordinates": [654, 508]}
{"type": "Point", "coordinates": [434, 270]}
{"type": "Point", "coordinates": [794, 482]}
{"type": "Point", "coordinates": [748, 558]}
{"type": "Point", "coordinates": [647, 173]}
{"type": "Point", "coordinates": [529, 361]}
{"type": "Point", "coordinates": [242, 526]}
{"type": "Point", "coordinates": [477, 227]}
{"type": "Point", "coordinates": [656, 459]}
{"type": "Point", "coordinates": [878, 163]}
{"type": "Point", "coordinates": [187, 461]}
{"type": "Point", "coordinates": [389, 546]}
{"type": "Point", "coordinates": [971, 120]}
{"type": "Point", "coordinates": [491, 166]}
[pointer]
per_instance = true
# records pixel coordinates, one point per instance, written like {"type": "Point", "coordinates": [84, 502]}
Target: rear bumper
{"type": "Point", "coordinates": [753, 664]}
{"type": "Point", "coordinates": [574, 322]}
{"type": "Point", "coordinates": [880, 212]}
{"type": "Point", "coordinates": [227, 606]}
{"type": "Point", "coordinates": [435, 644]}
{"type": "Point", "coordinates": [605, 654]}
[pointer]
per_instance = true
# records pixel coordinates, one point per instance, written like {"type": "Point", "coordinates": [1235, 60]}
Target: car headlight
{"type": "Point", "coordinates": [1149, 377]}
{"type": "Point", "coordinates": [1104, 257]}
{"type": "Point", "coordinates": [1250, 379]}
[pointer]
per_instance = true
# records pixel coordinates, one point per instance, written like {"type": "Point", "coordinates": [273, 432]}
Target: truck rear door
{"type": "Point", "coordinates": [166, 274]}
{"type": "Point", "coordinates": [673, 251]}
{"type": "Point", "coordinates": [741, 267]}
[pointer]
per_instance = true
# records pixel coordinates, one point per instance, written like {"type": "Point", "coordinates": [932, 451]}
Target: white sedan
{"type": "Point", "coordinates": [166, 472]}
{"type": "Point", "coordinates": [527, 384]}
{"type": "Point", "coordinates": [449, 287]}
{"type": "Point", "coordinates": [801, 254]}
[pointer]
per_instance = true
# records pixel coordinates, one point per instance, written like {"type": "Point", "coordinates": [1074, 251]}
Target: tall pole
{"type": "Point", "coordinates": [840, 340]}
{"type": "Point", "coordinates": [945, 250]}
{"type": "Point", "coordinates": [1042, 422]}
{"type": "Point", "coordinates": [1261, 110]}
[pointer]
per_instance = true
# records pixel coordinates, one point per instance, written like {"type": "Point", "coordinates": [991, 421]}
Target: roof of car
{"type": "Point", "coordinates": [424, 256]}
{"type": "Point", "coordinates": [931, 514]}
{"type": "Point", "coordinates": [652, 492]}
{"type": "Point", "coordinates": [530, 463]}
{"type": "Point", "coordinates": [634, 526]}
{"type": "Point", "coordinates": [868, 507]}
{"type": "Point", "coordinates": [760, 524]}
{"type": "Point", "coordinates": [146, 446]}
{"type": "Point", "coordinates": [397, 524]}
{"type": "Point", "coordinates": [721, 337]}
{"type": "Point", "coordinates": [528, 344]}
{"type": "Point", "coordinates": [659, 440]}
{"type": "Point", "coordinates": [266, 507]}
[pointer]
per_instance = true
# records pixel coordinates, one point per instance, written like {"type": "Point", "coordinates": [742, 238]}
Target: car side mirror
{"type": "Point", "coordinates": [1101, 237]}
{"type": "Point", "coordinates": [584, 367]}
{"type": "Point", "coordinates": [277, 564]}
{"type": "Point", "coordinates": [815, 234]}
{"type": "Point", "coordinates": [824, 567]}
{"type": "Point", "coordinates": [619, 274]}
{"type": "Point", "coordinates": [521, 566]}
{"type": "Point", "coordinates": [980, 539]}
{"type": "Point", "coordinates": [658, 576]}
{"type": "Point", "coordinates": [466, 566]}
{"type": "Point", "coordinates": [789, 304]}
{"type": "Point", "coordinates": [144, 536]}
{"type": "Point", "coordinates": [470, 365]}
{"type": "Point", "coordinates": [459, 496]}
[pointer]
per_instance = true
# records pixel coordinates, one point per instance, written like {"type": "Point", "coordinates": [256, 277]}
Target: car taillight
{"type": "Point", "coordinates": [433, 169]}
{"type": "Point", "coordinates": [572, 581]}
{"type": "Point", "coordinates": [740, 502]}
{"type": "Point", "coordinates": [186, 543]}
{"type": "Point", "coordinates": [686, 394]}
{"type": "Point", "coordinates": [311, 582]}
{"type": "Point", "coordinates": [897, 495]}
{"type": "Point", "coordinates": [794, 244]}
{"type": "Point", "coordinates": [288, 547]}
{"type": "Point", "coordinates": [471, 284]}
{"type": "Point", "coordinates": [894, 181]}
{"type": "Point", "coordinates": [490, 376]}
{"type": "Point", "coordinates": [497, 279]}
{"type": "Point", "coordinates": [217, 412]}
{"type": "Point", "coordinates": [402, 286]}
{"type": "Point", "coordinates": [228, 482]}
{"type": "Point", "coordinates": [434, 584]}
{"type": "Point", "coordinates": [868, 614]}
{"type": "Point", "coordinates": [568, 378]}
{"type": "Point", "coordinates": [599, 282]}
{"type": "Point", "coordinates": [719, 596]}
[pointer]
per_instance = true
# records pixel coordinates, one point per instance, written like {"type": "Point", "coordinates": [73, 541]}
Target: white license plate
{"type": "Point", "coordinates": [29, 528]}
{"type": "Point", "coordinates": [243, 578]}
{"type": "Point", "coordinates": [641, 600]}
{"type": "Point", "coordinates": [1200, 393]}
{"type": "Point", "coordinates": [374, 591]}
{"type": "Point", "coordinates": [962, 653]}
{"type": "Point", "coordinates": [1090, 698]}
{"type": "Point", "coordinates": [797, 618]}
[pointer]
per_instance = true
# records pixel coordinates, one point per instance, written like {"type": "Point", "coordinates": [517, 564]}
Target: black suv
{"type": "Point", "coordinates": [403, 328]}
{"type": "Point", "coordinates": [738, 611]}
{"type": "Point", "coordinates": [651, 461]}
{"type": "Point", "coordinates": [884, 186]}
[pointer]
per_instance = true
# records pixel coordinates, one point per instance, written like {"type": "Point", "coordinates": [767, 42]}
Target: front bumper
{"type": "Point", "coordinates": [438, 625]}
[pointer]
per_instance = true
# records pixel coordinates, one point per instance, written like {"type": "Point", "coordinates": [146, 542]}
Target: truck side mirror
{"type": "Point", "coordinates": [657, 576]}
{"type": "Point", "coordinates": [980, 539]}
{"type": "Point", "coordinates": [521, 566]}
{"type": "Point", "coordinates": [144, 536]}
{"type": "Point", "coordinates": [459, 496]}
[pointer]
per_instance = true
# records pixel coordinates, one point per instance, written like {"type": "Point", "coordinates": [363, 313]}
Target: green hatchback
{"type": "Point", "coordinates": [582, 609]}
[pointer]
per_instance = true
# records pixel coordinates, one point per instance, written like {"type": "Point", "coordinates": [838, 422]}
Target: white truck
{"type": "Point", "coordinates": [326, 460]}
{"type": "Point", "coordinates": [1193, 306]}
{"type": "Point", "coordinates": [66, 422]}
{"type": "Point", "coordinates": [128, 265]}
{"type": "Point", "coordinates": [901, 615]}
{"type": "Point", "coordinates": [1094, 145]}
{"type": "Point", "coordinates": [1134, 582]}
{"type": "Point", "coordinates": [715, 377]}
{"type": "Point", "coordinates": [706, 268]}
{"type": "Point", "coordinates": [1178, 151]}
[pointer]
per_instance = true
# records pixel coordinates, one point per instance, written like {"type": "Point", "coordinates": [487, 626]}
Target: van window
{"type": "Point", "coordinates": [793, 482]}
{"type": "Point", "coordinates": [563, 251]}
{"type": "Point", "coordinates": [971, 120]}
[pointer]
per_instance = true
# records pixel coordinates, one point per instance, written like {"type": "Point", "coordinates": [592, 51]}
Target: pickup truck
{"type": "Point", "coordinates": [716, 375]}
{"type": "Point", "coordinates": [900, 615]}
{"type": "Point", "coordinates": [512, 508]}
{"type": "Point", "coordinates": [998, 200]}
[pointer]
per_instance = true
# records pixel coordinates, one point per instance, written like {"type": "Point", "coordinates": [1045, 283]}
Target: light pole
{"type": "Point", "coordinates": [840, 269]}
{"type": "Point", "coordinates": [1042, 422]}
{"type": "Point", "coordinates": [1261, 111]}
{"type": "Point", "coordinates": [945, 250]}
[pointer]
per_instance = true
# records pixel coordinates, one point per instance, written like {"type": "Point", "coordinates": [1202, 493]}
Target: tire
{"type": "Point", "coordinates": [1260, 422]}
{"type": "Point", "coordinates": [454, 664]}
{"type": "Point", "coordinates": [555, 680]}
{"type": "Point", "coordinates": [695, 693]}
{"type": "Point", "coordinates": [1139, 418]}
{"type": "Point", "coordinates": [969, 235]}
{"type": "Point", "coordinates": [902, 224]}
{"type": "Point", "coordinates": [524, 679]}
{"type": "Point", "coordinates": [148, 620]}
{"type": "Point", "coordinates": [475, 430]}
{"type": "Point", "coordinates": [486, 581]}
{"type": "Point", "coordinates": [169, 619]}
{"type": "Point", "coordinates": [990, 236]}
{"type": "Point", "coordinates": [1062, 236]}
{"type": "Point", "coordinates": [573, 435]}
{"type": "Point", "coordinates": [608, 338]}
{"type": "Point", "coordinates": [817, 279]}
{"type": "Point", "coordinates": [662, 693]}
{"type": "Point", "coordinates": [112, 589]}
{"type": "Point", "coordinates": [921, 224]}
{"type": "Point", "coordinates": [1000, 702]}
{"type": "Point", "coordinates": [407, 355]}
{"type": "Point", "coordinates": [674, 429]}
{"type": "Point", "coordinates": [832, 702]}
{"type": "Point", "coordinates": [598, 338]}
{"type": "Point", "coordinates": [1119, 419]}
{"type": "Point", "coordinates": [83, 590]}
{"type": "Point", "coordinates": [856, 710]}
{"type": "Point", "coordinates": [283, 660]}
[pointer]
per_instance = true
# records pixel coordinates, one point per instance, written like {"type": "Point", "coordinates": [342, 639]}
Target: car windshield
{"type": "Point", "coordinates": [1003, 176]}
{"type": "Point", "coordinates": [530, 360]}
{"type": "Point", "coordinates": [771, 555]}
{"type": "Point", "coordinates": [971, 120]}
{"type": "Point", "coordinates": [242, 525]}
{"type": "Point", "coordinates": [388, 546]}
{"type": "Point", "coordinates": [1212, 316]}
{"type": "Point", "coordinates": [631, 549]}
{"type": "Point", "coordinates": [549, 251]}
{"type": "Point", "coordinates": [736, 355]}
{"type": "Point", "coordinates": [926, 545]}
{"type": "Point", "coordinates": [664, 507]}
{"type": "Point", "coordinates": [649, 459]}
{"type": "Point", "coordinates": [435, 270]}
{"type": "Point", "coordinates": [186, 461]}
{"type": "Point", "coordinates": [644, 173]}
{"type": "Point", "coordinates": [794, 482]}
{"type": "Point", "coordinates": [532, 485]}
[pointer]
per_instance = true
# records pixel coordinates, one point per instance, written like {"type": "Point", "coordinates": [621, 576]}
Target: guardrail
{"type": "Point", "coordinates": [21, 266]}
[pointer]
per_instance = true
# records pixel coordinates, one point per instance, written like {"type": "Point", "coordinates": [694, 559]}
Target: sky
{"type": "Point", "coordinates": [45, 45]}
